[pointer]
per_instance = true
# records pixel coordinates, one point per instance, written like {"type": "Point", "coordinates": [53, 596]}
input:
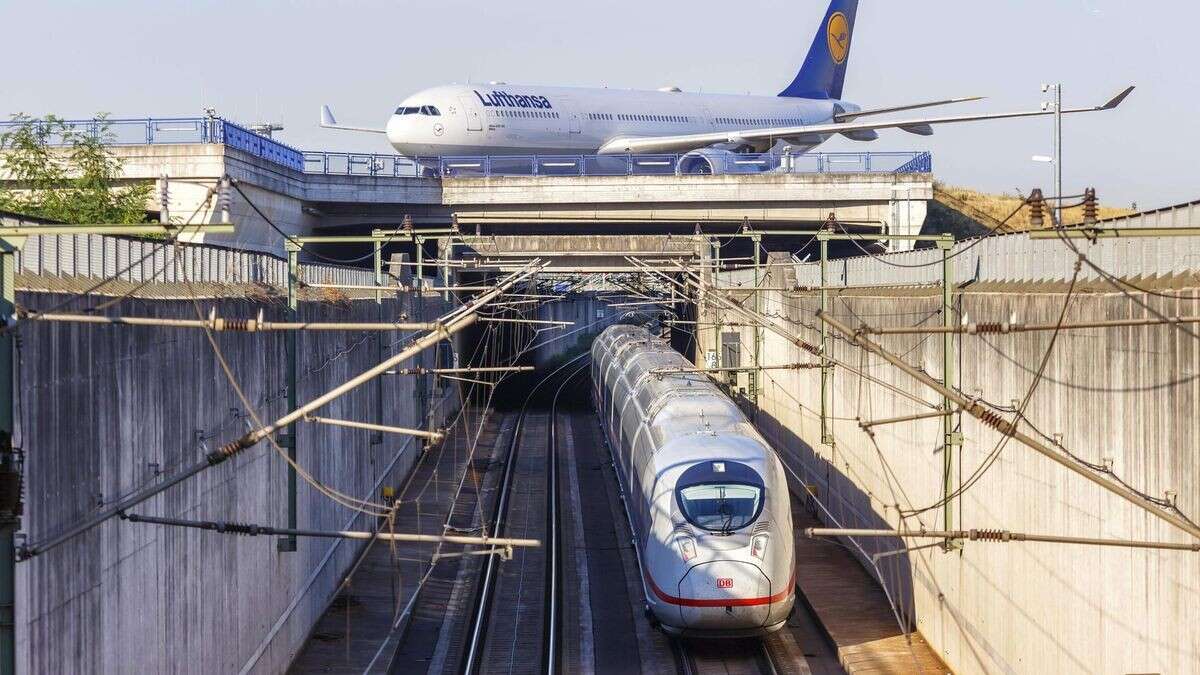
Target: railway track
{"type": "Point", "coordinates": [516, 624]}
{"type": "Point", "coordinates": [727, 657]}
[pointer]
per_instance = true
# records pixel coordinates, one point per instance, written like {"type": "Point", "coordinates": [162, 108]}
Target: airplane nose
{"type": "Point", "coordinates": [400, 134]}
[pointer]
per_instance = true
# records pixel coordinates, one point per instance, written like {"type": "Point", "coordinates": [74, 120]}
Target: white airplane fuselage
{"type": "Point", "coordinates": [503, 119]}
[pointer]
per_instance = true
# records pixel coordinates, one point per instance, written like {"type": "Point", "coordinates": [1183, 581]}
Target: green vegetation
{"type": "Point", "coordinates": [75, 183]}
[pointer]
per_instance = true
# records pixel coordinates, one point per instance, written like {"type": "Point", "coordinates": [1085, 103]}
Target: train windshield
{"type": "Point", "coordinates": [720, 507]}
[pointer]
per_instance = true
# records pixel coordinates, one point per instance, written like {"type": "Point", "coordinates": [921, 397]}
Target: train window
{"type": "Point", "coordinates": [720, 507]}
{"type": "Point", "coordinates": [720, 496]}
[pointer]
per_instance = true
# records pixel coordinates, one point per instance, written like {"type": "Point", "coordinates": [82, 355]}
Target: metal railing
{"type": "Point", "coordinates": [168, 130]}
{"type": "Point", "coordinates": [143, 261]}
{"type": "Point", "coordinates": [484, 166]}
{"type": "Point", "coordinates": [153, 131]}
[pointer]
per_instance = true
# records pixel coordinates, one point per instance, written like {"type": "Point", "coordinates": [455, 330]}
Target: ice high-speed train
{"type": "Point", "coordinates": [706, 496]}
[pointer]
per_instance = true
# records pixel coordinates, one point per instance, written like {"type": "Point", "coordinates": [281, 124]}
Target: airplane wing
{"type": "Point", "coordinates": [688, 142]}
{"type": "Point", "coordinates": [851, 116]}
{"type": "Point", "coordinates": [328, 122]}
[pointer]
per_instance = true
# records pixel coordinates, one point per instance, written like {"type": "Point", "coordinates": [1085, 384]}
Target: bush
{"type": "Point", "coordinates": [75, 184]}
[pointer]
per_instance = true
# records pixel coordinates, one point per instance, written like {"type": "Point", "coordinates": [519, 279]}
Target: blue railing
{"type": "Point", "coordinates": [145, 131]}
{"type": "Point", "coordinates": [643, 165]}
{"type": "Point", "coordinates": [166, 130]}
{"type": "Point", "coordinates": [152, 131]}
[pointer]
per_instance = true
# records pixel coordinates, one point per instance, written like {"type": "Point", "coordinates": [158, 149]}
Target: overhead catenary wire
{"type": "Point", "coordinates": [264, 431]}
{"type": "Point", "coordinates": [1009, 429]}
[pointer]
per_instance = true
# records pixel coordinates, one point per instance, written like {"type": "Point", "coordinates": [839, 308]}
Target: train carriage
{"type": "Point", "coordinates": [707, 498]}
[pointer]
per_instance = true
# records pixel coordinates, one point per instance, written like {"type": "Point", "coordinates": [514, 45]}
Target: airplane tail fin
{"type": "Point", "coordinates": [824, 70]}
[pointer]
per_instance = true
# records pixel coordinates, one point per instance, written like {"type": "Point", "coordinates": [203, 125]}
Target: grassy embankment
{"type": "Point", "coordinates": [989, 210]}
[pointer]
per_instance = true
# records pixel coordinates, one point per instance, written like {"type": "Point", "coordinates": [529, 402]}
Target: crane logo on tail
{"type": "Point", "coordinates": [838, 34]}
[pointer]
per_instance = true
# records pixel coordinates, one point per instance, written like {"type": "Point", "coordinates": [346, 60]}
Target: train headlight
{"type": "Point", "coordinates": [687, 548]}
{"type": "Point", "coordinates": [758, 546]}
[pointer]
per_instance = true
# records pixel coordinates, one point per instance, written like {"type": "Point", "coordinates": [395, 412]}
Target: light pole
{"type": "Point", "coordinates": [1057, 103]}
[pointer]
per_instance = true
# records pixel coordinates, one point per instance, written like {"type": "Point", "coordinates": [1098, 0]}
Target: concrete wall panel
{"type": "Point", "coordinates": [105, 410]}
{"type": "Point", "coordinates": [1128, 396]}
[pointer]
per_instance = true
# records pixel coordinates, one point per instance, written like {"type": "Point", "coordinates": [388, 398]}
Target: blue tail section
{"type": "Point", "coordinates": [824, 70]}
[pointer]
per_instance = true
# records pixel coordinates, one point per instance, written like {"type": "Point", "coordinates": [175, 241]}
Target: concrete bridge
{"type": "Point", "coordinates": [299, 202]}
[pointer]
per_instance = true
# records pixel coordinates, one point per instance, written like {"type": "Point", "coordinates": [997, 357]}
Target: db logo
{"type": "Point", "coordinates": [724, 583]}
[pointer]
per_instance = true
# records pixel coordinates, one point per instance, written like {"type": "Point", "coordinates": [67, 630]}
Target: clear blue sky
{"type": "Point", "coordinates": [281, 60]}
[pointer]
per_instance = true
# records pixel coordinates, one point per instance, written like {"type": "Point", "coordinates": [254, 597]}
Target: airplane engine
{"type": "Point", "coordinates": [708, 161]}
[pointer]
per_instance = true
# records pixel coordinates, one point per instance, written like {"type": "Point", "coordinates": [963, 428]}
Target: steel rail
{"type": "Point", "coordinates": [766, 660]}
{"type": "Point", "coordinates": [483, 597]}
{"type": "Point", "coordinates": [553, 528]}
{"type": "Point", "coordinates": [683, 657]}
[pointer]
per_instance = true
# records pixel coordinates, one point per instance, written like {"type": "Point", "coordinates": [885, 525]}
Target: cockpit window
{"type": "Point", "coordinates": [720, 496]}
{"type": "Point", "coordinates": [723, 507]}
{"type": "Point", "coordinates": [419, 110]}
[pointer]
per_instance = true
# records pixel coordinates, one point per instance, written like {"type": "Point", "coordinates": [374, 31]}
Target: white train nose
{"type": "Point", "coordinates": [724, 594]}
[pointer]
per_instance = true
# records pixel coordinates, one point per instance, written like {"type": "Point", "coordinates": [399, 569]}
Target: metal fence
{"type": "Point", "coordinates": [166, 130]}
{"type": "Point", "coordinates": [138, 261]}
{"type": "Point", "coordinates": [484, 166]}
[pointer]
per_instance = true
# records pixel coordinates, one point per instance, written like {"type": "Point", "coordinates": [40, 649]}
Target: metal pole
{"type": "Point", "coordinates": [1003, 328]}
{"type": "Point", "coordinates": [997, 536]}
{"type": "Point", "coordinates": [755, 376]}
{"type": "Point", "coordinates": [288, 543]}
{"type": "Point", "coordinates": [826, 374]}
{"type": "Point", "coordinates": [949, 437]}
{"type": "Point", "coordinates": [866, 425]}
{"type": "Point", "coordinates": [715, 272]}
{"type": "Point", "coordinates": [444, 251]}
{"type": "Point", "coordinates": [253, 530]}
{"type": "Point", "coordinates": [377, 249]}
{"type": "Point", "coordinates": [1058, 152]}
{"type": "Point", "coordinates": [10, 464]}
{"type": "Point", "coordinates": [423, 387]}
{"type": "Point", "coordinates": [434, 436]}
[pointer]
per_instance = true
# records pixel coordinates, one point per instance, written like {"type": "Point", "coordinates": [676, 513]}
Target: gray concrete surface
{"type": "Point", "coordinates": [1127, 396]}
{"type": "Point", "coordinates": [105, 410]}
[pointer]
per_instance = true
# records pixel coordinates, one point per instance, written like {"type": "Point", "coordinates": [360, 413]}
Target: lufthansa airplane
{"type": "Point", "coordinates": [503, 119]}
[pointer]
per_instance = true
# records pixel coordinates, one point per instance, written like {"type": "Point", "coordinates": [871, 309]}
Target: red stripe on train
{"type": "Point", "coordinates": [730, 602]}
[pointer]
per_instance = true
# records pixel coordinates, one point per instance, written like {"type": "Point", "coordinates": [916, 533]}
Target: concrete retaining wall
{"type": "Point", "coordinates": [104, 410]}
{"type": "Point", "coordinates": [1128, 396]}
